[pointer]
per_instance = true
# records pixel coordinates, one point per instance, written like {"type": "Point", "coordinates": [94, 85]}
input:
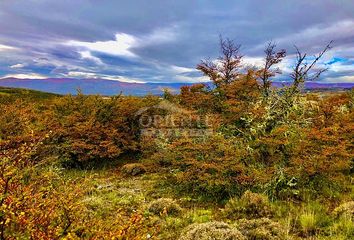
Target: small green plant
{"type": "Point", "coordinates": [308, 222]}
{"type": "Point", "coordinates": [200, 215]}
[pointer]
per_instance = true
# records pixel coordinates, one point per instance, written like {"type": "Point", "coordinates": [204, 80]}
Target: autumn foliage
{"type": "Point", "coordinates": [264, 144]}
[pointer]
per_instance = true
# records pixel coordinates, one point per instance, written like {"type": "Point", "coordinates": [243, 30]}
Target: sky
{"type": "Point", "coordinates": [164, 40]}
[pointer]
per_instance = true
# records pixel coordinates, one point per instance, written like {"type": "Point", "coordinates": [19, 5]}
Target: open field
{"type": "Point", "coordinates": [79, 168]}
{"type": "Point", "coordinates": [176, 120]}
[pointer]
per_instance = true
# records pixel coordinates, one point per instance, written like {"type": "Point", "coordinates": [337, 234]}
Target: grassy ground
{"type": "Point", "coordinates": [103, 201]}
{"type": "Point", "coordinates": [108, 191]}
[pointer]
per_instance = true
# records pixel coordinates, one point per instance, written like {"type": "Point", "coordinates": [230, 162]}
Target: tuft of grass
{"type": "Point", "coordinates": [250, 205]}
{"type": "Point", "coordinates": [308, 222]}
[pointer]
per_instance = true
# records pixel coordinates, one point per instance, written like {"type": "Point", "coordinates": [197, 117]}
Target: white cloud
{"type": "Point", "coordinates": [343, 79]}
{"type": "Point", "coordinates": [48, 61]}
{"type": "Point", "coordinates": [88, 55]}
{"type": "Point", "coordinates": [19, 65]}
{"type": "Point", "coordinates": [123, 79]}
{"type": "Point", "coordinates": [192, 79]}
{"type": "Point", "coordinates": [102, 76]}
{"type": "Point", "coordinates": [253, 61]}
{"type": "Point", "coordinates": [338, 67]}
{"type": "Point", "coordinates": [286, 66]}
{"type": "Point", "coordinates": [178, 70]}
{"type": "Point", "coordinates": [315, 34]}
{"type": "Point", "coordinates": [159, 35]}
{"type": "Point", "coordinates": [25, 76]}
{"type": "Point", "coordinates": [123, 43]}
{"type": "Point", "coordinates": [5, 48]}
{"type": "Point", "coordinates": [81, 74]}
{"type": "Point", "coordinates": [120, 47]}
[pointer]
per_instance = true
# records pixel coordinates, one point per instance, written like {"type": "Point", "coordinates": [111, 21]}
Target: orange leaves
{"type": "Point", "coordinates": [91, 128]}
{"type": "Point", "coordinates": [196, 97]}
{"type": "Point", "coordinates": [209, 167]}
{"type": "Point", "coordinates": [331, 110]}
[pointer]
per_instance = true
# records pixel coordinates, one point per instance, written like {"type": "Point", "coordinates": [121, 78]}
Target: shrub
{"type": "Point", "coordinates": [133, 169]}
{"type": "Point", "coordinates": [197, 96]}
{"type": "Point", "coordinates": [165, 206]}
{"type": "Point", "coordinates": [346, 209]}
{"type": "Point", "coordinates": [250, 205]}
{"type": "Point", "coordinates": [281, 186]}
{"type": "Point", "coordinates": [209, 168]}
{"type": "Point", "coordinates": [33, 203]}
{"type": "Point", "coordinates": [17, 119]}
{"type": "Point", "coordinates": [92, 129]}
{"type": "Point", "coordinates": [261, 229]}
{"type": "Point", "coordinates": [211, 231]}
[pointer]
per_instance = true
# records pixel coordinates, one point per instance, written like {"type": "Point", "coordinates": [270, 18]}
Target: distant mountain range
{"type": "Point", "coordinates": [110, 87]}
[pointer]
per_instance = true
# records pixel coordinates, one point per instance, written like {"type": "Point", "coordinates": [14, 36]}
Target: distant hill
{"type": "Point", "coordinates": [110, 87]}
{"type": "Point", "coordinates": [311, 86]}
{"type": "Point", "coordinates": [25, 93]}
{"type": "Point", "coordinates": [89, 86]}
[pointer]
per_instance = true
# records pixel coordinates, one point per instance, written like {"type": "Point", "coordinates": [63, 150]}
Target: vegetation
{"type": "Point", "coordinates": [16, 93]}
{"type": "Point", "coordinates": [164, 206]}
{"type": "Point", "coordinates": [211, 230]}
{"type": "Point", "coordinates": [262, 228]}
{"type": "Point", "coordinates": [250, 205]}
{"type": "Point", "coordinates": [236, 160]}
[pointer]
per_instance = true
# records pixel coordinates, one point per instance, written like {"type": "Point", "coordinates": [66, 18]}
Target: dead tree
{"type": "Point", "coordinates": [227, 67]}
{"type": "Point", "coordinates": [272, 58]}
{"type": "Point", "coordinates": [302, 70]}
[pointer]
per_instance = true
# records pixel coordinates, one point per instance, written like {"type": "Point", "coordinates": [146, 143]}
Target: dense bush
{"type": "Point", "coordinates": [346, 209]}
{"type": "Point", "coordinates": [18, 118]}
{"type": "Point", "coordinates": [211, 230]}
{"type": "Point", "coordinates": [30, 203]}
{"type": "Point", "coordinates": [92, 129]}
{"type": "Point", "coordinates": [209, 168]}
{"type": "Point", "coordinates": [262, 229]}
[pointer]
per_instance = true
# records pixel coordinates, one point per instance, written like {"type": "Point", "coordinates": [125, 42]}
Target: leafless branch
{"type": "Point", "coordinates": [226, 68]}
{"type": "Point", "coordinates": [302, 69]}
{"type": "Point", "coordinates": [272, 58]}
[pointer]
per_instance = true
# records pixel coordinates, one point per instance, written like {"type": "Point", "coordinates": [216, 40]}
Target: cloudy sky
{"type": "Point", "coordinates": [163, 40]}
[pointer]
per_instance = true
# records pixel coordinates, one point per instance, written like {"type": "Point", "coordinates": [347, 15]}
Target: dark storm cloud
{"type": "Point", "coordinates": [161, 40]}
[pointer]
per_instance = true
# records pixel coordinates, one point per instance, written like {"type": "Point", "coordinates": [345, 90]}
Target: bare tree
{"type": "Point", "coordinates": [272, 58]}
{"type": "Point", "coordinates": [226, 68]}
{"type": "Point", "coordinates": [302, 70]}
